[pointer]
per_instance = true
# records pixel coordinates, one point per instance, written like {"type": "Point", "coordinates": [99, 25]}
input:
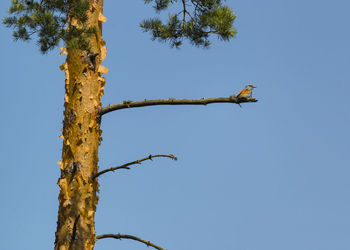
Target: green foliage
{"type": "Point", "coordinates": [49, 20]}
{"type": "Point", "coordinates": [197, 20]}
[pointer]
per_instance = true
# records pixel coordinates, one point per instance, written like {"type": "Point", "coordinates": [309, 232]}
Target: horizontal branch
{"type": "Point", "coordinates": [126, 165]}
{"type": "Point", "coordinates": [173, 101]}
{"type": "Point", "coordinates": [126, 236]}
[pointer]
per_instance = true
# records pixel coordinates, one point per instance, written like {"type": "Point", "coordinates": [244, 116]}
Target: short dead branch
{"type": "Point", "coordinates": [173, 101]}
{"type": "Point", "coordinates": [126, 236]}
{"type": "Point", "coordinates": [126, 165]}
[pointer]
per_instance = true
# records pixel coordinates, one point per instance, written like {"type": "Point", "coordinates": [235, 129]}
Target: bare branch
{"type": "Point", "coordinates": [184, 11]}
{"type": "Point", "coordinates": [173, 101]}
{"type": "Point", "coordinates": [189, 14]}
{"type": "Point", "coordinates": [126, 165]}
{"type": "Point", "coordinates": [126, 236]}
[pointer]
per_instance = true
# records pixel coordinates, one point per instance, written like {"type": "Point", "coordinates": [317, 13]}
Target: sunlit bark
{"type": "Point", "coordinates": [81, 137]}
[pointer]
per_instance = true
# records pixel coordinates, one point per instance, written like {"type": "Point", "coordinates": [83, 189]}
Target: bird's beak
{"type": "Point", "coordinates": [253, 87]}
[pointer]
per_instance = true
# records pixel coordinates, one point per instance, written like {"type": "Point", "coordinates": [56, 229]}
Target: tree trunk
{"type": "Point", "coordinates": [81, 137]}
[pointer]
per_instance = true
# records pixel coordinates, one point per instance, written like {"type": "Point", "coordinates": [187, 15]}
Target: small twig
{"type": "Point", "coordinates": [126, 236]}
{"type": "Point", "coordinates": [173, 101]}
{"type": "Point", "coordinates": [32, 33]}
{"type": "Point", "coordinates": [184, 11]}
{"type": "Point", "coordinates": [198, 6]}
{"type": "Point", "coordinates": [126, 165]}
{"type": "Point", "coordinates": [189, 14]}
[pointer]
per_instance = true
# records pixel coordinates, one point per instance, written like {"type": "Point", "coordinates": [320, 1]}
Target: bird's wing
{"type": "Point", "coordinates": [241, 93]}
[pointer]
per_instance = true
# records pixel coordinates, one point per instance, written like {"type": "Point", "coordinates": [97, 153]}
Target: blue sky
{"type": "Point", "coordinates": [268, 176]}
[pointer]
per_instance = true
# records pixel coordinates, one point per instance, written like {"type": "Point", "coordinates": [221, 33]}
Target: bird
{"type": "Point", "coordinates": [246, 92]}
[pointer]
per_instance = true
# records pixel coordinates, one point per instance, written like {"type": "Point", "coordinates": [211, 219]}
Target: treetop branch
{"type": "Point", "coordinates": [173, 101]}
{"type": "Point", "coordinates": [126, 165]}
{"type": "Point", "coordinates": [126, 236]}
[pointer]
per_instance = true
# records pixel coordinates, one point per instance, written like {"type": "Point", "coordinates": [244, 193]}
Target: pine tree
{"type": "Point", "coordinates": [76, 25]}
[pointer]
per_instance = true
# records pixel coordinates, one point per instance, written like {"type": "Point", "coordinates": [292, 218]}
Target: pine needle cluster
{"type": "Point", "coordinates": [48, 19]}
{"type": "Point", "coordinates": [195, 22]}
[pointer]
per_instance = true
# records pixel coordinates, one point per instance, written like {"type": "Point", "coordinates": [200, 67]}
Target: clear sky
{"type": "Point", "coordinates": [272, 175]}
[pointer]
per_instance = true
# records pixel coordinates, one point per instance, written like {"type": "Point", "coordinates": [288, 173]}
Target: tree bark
{"type": "Point", "coordinates": [81, 137]}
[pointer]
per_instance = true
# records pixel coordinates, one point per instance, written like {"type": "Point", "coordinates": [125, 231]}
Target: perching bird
{"type": "Point", "coordinates": [247, 91]}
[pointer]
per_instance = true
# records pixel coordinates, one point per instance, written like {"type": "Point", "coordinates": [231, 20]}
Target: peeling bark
{"type": "Point", "coordinates": [81, 136]}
